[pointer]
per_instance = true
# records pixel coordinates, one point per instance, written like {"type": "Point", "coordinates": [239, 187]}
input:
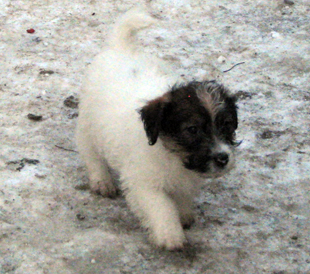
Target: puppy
{"type": "Point", "coordinates": [162, 136]}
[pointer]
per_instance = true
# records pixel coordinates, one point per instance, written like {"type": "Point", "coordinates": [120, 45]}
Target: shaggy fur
{"type": "Point", "coordinates": [163, 138]}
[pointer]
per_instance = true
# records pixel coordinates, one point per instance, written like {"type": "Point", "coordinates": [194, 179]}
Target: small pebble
{"type": "Point", "coordinates": [269, 134]}
{"type": "Point", "coordinates": [276, 35]}
{"type": "Point", "coordinates": [40, 175]}
{"type": "Point", "coordinates": [20, 164]}
{"type": "Point", "coordinates": [30, 161]}
{"type": "Point", "coordinates": [71, 102]}
{"type": "Point", "coordinates": [34, 117]}
{"type": "Point", "coordinates": [73, 115]}
{"type": "Point", "coordinates": [82, 186]}
{"type": "Point", "coordinates": [80, 217]}
{"type": "Point", "coordinates": [46, 72]}
{"type": "Point", "coordinates": [248, 208]}
{"type": "Point", "coordinates": [289, 2]}
{"type": "Point", "coordinates": [93, 261]}
{"type": "Point", "coordinates": [242, 95]}
{"type": "Point", "coordinates": [37, 39]}
{"type": "Point", "coordinates": [221, 59]}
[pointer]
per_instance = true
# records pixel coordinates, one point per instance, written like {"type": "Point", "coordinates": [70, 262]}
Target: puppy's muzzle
{"type": "Point", "coordinates": [221, 159]}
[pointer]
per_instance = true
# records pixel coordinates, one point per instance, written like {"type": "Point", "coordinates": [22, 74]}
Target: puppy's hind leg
{"type": "Point", "coordinates": [100, 179]}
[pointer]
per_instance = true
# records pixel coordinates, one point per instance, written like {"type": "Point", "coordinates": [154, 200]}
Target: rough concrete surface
{"type": "Point", "coordinates": [254, 220]}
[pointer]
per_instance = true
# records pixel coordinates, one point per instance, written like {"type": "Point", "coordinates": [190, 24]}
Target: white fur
{"type": "Point", "coordinates": [110, 133]}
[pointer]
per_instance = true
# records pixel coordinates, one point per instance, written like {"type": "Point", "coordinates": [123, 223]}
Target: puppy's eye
{"type": "Point", "coordinates": [192, 130]}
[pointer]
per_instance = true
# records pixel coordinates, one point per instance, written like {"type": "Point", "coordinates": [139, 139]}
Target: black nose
{"type": "Point", "coordinates": [221, 159]}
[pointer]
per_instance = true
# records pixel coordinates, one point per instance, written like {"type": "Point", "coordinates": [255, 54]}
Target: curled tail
{"type": "Point", "coordinates": [124, 33]}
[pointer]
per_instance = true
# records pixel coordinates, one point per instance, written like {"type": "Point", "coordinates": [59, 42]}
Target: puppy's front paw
{"type": "Point", "coordinates": [105, 189]}
{"type": "Point", "coordinates": [171, 240]}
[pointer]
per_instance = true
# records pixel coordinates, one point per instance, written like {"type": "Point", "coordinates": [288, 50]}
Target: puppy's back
{"type": "Point", "coordinates": [120, 75]}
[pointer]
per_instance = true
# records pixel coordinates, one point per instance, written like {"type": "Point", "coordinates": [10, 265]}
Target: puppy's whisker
{"type": "Point", "coordinates": [238, 143]}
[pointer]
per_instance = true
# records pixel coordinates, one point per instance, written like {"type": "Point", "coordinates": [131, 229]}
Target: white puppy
{"type": "Point", "coordinates": [163, 138]}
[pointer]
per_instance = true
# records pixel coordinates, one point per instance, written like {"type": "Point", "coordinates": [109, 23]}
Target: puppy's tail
{"type": "Point", "coordinates": [126, 28]}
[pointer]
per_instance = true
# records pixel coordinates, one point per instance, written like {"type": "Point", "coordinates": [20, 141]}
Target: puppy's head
{"type": "Point", "coordinates": [197, 122]}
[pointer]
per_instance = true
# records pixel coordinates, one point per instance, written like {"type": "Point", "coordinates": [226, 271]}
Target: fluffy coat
{"type": "Point", "coordinates": [122, 84]}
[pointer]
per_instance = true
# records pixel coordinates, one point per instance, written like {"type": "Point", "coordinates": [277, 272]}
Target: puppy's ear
{"type": "Point", "coordinates": [152, 115]}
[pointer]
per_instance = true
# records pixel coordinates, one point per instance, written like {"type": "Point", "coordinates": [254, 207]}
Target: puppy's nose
{"type": "Point", "coordinates": [221, 159]}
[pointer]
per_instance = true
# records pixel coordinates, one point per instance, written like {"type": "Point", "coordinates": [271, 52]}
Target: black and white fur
{"type": "Point", "coordinates": [162, 136]}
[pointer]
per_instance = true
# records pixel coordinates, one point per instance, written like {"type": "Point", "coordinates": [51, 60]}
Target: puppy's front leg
{"type": "Point", "coordinates": [160, 214]}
